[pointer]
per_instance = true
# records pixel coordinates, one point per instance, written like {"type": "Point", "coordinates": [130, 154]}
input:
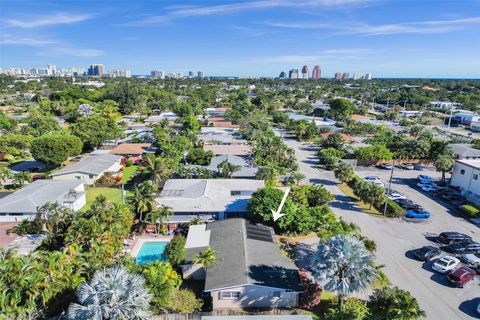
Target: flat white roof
{"type": "Point", "coordinates": [471, 163]}
{"type": "Point", "coordinates": [198, 236]}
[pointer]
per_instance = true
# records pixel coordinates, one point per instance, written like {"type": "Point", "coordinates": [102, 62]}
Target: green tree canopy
{"type": "Point", "coordinates": [55, 148]}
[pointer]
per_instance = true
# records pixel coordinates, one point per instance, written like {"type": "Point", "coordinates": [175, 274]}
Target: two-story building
{"type": "Point", "coordinates": [466, 175]}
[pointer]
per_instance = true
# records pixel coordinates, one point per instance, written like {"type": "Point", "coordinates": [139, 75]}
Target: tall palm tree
{"type": "Point", "coordinates": [444, 163]}
{"type": "Point", "coordinates": [112, 294]}
{"type": "Point", "coordinates": [5, 174]}
{"type": "Point", "coordinates": [158, 218]}
{"type": "Point", "coordinates": [143, 199]}
{"type": "Point", "coordinates": [206, 258]}
{"type": "Point", "coordinates": [226, 169]}
{"type": "Point", "coordinates": [345, 266]}
{"type": "Point", "coordinates": [344, 172]}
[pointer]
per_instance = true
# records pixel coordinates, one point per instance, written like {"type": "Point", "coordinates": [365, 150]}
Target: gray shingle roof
{"type": "Point", "coordinates": [464, 150]}
{"type": "Point", "coordinates": [36, 194]}
{"type": "Point", "coordinates": [208, 195]}
{"type": "Point", "coordinates": [243, 260]}
{"type": "Point", "coordinates": [95, 164]}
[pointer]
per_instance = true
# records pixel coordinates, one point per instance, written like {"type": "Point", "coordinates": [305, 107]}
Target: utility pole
{"type": "Point", "coordinates": [389, 188]}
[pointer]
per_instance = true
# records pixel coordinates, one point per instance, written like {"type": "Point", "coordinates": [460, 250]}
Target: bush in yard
{"type": "Point", "coordinates": [129, 163]}
{"type": "Point", "coordinates": [265, 200]}
{"type": "Point", "coordinates": [394, 304]}
{"type": "Point", "coordinates": [311, 195]}
{"type": "Point", "coordinates": [329, 157]}
{"type": "Point", "coordinates": [175, 250]}
{"type": "Point", "coordinates": [55, 148]}
{"type": "Point", "coordinates": [312, 291]}
{"type": "Point", "coordinates": [184, 301]}
{"type": "Point", "coordinates": [352, 309]}
{"type": "Point", "coordinates": [470, 211]}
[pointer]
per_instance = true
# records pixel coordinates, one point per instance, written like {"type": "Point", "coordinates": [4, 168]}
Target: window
{"type": "Point", "coordinates": [475, 176]}
{"type": "Point", "coordinates": [235, 193]}
{"type": "Point", "coordinates": [90, 176]}
{"type": "Point", "coordinates": [277, 294]}
{"type": "Point", "coordinates": [78, 177]}
{"type": "Point", "coordinates": [230, 295]}
{"type": "Point", "coordinates": [462, 172]}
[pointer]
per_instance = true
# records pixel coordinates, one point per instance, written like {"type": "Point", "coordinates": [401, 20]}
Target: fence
{"type": "Point", "coordinates": [224, 312]}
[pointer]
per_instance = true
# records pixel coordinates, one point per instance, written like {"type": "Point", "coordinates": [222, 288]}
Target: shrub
{"type": "Point", "coordinates": [175, 250]}
{"type": "Point", "coordinates": [394, 210]}
{"type": "Point", "coordinates": [312, 291]}
{"type": "Point", "coordinates": [353, 309]}
{"type": "Point", "coordinates": [470, 211]}
{"type": "Point", "coordinates": [129, 163]}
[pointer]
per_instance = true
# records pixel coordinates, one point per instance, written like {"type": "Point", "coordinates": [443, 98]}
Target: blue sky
{"type": "Point", "coordinates": [404, 38]}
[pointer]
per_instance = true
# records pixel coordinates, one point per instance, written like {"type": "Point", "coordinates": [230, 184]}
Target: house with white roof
{"type": "Point", "coordinates": [208, 199]}
{"type": "Point", "coordinates": [89, 168]}
{"type": "Point", "coordinates": [24, 203]}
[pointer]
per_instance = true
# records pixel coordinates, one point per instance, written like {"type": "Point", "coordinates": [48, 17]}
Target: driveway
{"type": "Point", "coordinates": [396, 237]}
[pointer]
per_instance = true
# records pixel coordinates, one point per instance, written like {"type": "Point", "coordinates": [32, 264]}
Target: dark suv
{"type": "Point", "coordinates": [427, 253]}
{"type": "Point", "coordinates": [409, 204]}
{"type": "Point", "coordinates": [467, 246]}
{"type": "Point", "coordinates": [461, 276]}
{"type": "Point", "coordinates": [449, 237]}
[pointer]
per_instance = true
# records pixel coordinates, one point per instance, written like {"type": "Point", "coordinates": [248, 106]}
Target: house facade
{"type": "Point", "coordinates": [250, 272]}
{"type": "Point", "coordinates": [466, 176]}
{"type": "Point", "coordinates": [24, 203]}
{"type": "Point", "coordinates": [90, 168]}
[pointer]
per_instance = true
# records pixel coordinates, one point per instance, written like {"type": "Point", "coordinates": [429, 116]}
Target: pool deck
{"type": "Point", "coordinates": [136, 245]}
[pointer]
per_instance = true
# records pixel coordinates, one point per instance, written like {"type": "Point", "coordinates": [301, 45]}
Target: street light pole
{"type": "Point", "coordinates": [389, 188]}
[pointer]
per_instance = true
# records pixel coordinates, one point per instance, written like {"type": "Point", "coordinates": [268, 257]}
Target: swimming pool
{"type": "Point", "coordinates": [151, 251]}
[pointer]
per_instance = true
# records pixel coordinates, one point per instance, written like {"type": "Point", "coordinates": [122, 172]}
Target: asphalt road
{"type": "Point", "coordinates": [396, 237]}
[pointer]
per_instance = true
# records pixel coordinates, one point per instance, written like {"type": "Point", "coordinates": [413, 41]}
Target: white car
{"type": "Point", "coordinates": [424, 178]}
{"type": "Point", "coordinates": [470, 259]}
{"type": "Point", "coordinates": [395, 195]}
{"type": "Point", "coordinates": [374, 179]}
{"type": "Point", "coordinates": [446, 264]}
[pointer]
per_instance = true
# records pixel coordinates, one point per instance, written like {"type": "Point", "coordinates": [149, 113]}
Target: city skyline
{"type": "Point", "coordinates": [247, 38]}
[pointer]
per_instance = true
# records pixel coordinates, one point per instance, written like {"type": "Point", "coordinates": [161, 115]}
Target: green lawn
{"type": "Point", "coordinates": [365, 207]}
{"type": "Point", "coordinates": [113, 195]}
{"type": "Point", "coordinates": [128, 172]}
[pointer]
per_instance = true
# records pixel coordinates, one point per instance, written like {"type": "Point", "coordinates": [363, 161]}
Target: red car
{"type": "Point", "coordinates": [461, 276]}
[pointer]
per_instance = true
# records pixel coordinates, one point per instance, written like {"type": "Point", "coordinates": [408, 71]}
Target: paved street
{"type": "Point", "coordinates": [395, 238]}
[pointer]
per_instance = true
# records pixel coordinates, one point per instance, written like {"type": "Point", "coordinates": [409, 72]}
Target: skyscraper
{"type": "Point", "coordinates": [356, 76]}
{"type": "Point", "coordinates": [345, 76]}
{"type": "Point", "coordinates": [305, 72]}
{"type": "Point", "coordinates": [200, 74]}
{"type": "Point", "coordinates": [96, 70]}
{"type": "Point", "coordinates": [157, 74]}
{"type": "Point", "coordinates": [338, 76]}
{"type": "Point", "coordinates": [190, 74]}
{"type": "Point", "coordinates": [52, 69]}
{"type": "Point", "coordinates": [293, 74]}
{"type": "Point", "coordinates": [121, 73]}
{"type": "Point", "coordinates": [316, 73]}
{"type": "Point", "coordinates": [282, 75]}
{"type": "Point", "coordinates": [368, 76]}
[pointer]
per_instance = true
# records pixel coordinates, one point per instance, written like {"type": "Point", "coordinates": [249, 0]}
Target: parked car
{"type": "Point", "coordinates": [461, 276]}
{"type": "Point", "coordinates": [424, 178]}
{"type": "Point", "coordinates": [427, 253]}
{"type": "Point", "coordinates": [452, 236]}
{"type": "Point", "coordinates": [463, 247]}
{"type": "Point", "coordinates": [445, 264]}
{"type": "Point", "coordinates": [385, 166]}
{"type": "Point", "coordinates": [409, 204]}
{"type": "Point", "coordinates": [374, 179]}
{"type": "Point", "coordinates": [406, 166]}
{"type": "Point", "coordinates": [418, 167]}
{"type": "Point", "coordinates": [427, 187]}
{"type": "Point", "coordinates": [470, 259]}
{"type": "Point", "coordinates": [413, 214]}
{"type": "Point", "coordinates": [394, 195]}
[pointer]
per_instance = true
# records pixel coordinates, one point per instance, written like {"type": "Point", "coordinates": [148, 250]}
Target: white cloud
{"type": "Point", "coordinates": [179, 12]}
{"type": "Point", "coordinates": [48, 20]}
{"type": "Point", "coordinates": [8, 39]}
{"type": "Point", "coordinates": [417, 27]}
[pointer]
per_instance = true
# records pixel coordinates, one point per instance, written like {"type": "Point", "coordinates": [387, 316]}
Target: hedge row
{"type": "Point", "coordinates": [470, 211]}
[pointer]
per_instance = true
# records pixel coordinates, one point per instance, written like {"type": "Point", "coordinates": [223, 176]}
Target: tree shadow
{"type": "Point", "coordinates": [322, 182]}
{"type": "Point", "coordinates": [469, 307]}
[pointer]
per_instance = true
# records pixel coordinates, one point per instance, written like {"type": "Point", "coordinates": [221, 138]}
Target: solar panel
{"type": "Point", "coordinates": [260, 233]}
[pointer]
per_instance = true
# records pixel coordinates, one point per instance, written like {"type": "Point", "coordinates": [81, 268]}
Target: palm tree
{"type": "Point", "coordinates": [195, 221]}
{"type": "Point", "coordinates": [345, 266]}
{"type": "Point", "coordinates": [112, 294]}
{"type": "Point", "coordinates": [344, 172]}
{"type": "Point", "coordinates": [158, 217]}
{"type": "Point", "coordinates": [206, 258]}
{"type": "Point", "coordinates": [5, 174]}
{"type": "Point", "coordinates": [226, 169]}
{"type": "Point", "coordinates": [157, 169]}
{"type": "Point", "coordinates": [394, 303]}
{"type": "Point", "coordinates": [143, 199]}
{"type": "Point", "coordinates": [21, 178]}
{"type": "Point", "coordinates": [444, 163]}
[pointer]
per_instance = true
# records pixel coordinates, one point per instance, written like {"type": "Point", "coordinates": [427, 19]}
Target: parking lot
{"type": "Point", "coordinates": [427, 285]}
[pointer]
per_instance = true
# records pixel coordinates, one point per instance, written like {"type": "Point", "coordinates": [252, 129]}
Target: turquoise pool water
{"type": "Point", "coordinates": [151, 251]}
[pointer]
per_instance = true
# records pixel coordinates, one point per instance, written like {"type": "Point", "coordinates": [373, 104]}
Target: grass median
{"type": "Point", "coordinates": [362, 205]}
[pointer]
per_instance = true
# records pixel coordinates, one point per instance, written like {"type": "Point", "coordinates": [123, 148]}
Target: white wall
{"type": "Point", "coordinates": [254, 296]}
{"type": "Point", "coordinates": [86, 178]}
{"type": "Point", "coordinates": [468, 179]}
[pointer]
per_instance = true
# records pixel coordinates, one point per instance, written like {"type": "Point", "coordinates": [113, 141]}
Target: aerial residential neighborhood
{"type": "Point", "coordinates": [239, 160]}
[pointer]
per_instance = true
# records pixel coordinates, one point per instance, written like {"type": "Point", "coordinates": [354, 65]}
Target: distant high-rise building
{"type": "Point", "coordinates": [368, 76]}
{"type": "Point", "coordinates": [305, 72]}
{"type": "Point", "coordinates": [96, 70]}
{"type": "Point", "coordinates": [179, 75]}
{"type": "Point", "coordinates": [316, 73]}
{"type": "Point", "coordinates": [357, 76]}
{"type": "Point", "coordinates": [191, 74]}
{"type": "Point", "coordinates": [157, 74]}
{"type": "Point", "coordinates": [345, 76]}
{"type": "Point", "coordinates": [282, 75]}
{"type": "Point", "coordinates": [122, 73]}
{"type": "Point", "coordinates": [293, 74]}
{"type": "Point", "coordinates": [200, 74]}
{"type": "Point", "coordinates": [52, 69]}
{"type": "Point", "coordinates": [338, 76]}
